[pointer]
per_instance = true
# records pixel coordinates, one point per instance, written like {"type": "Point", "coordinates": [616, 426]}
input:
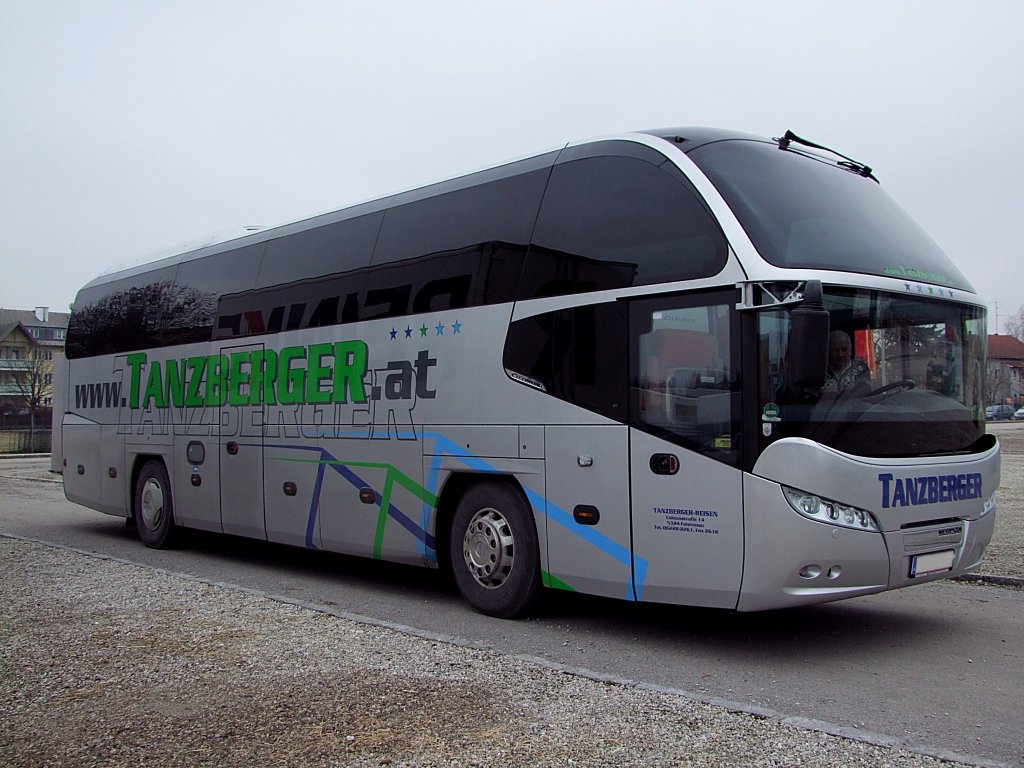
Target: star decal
{"type": "Point", "coordinates": [440, 329]}
{"type": "Point", "coordinates": [408, 332]}
{"type": "Point", "coordinates": [394, 334]}
{"type": "Point", "coordinates": [456, 327]}
{"type": "Point", "coordinates": [423, 330]}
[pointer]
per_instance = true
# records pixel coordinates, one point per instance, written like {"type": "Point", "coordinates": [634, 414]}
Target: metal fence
{"type": "Point", "coordinates": [25, 440]}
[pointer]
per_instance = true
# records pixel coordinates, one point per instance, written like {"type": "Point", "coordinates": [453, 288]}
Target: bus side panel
{"type": "Point", "coordinates": [292, 492]}
{"type": "Point", "coordinates": [387, 523]}
{"type": "Point", "coordinates": [115, 494]}
{"type": "Point", "coordinates": [82, 475]}
{"type": "Point", "coordinates": [240, 448]}
{"type": "Point", "coordinates": [92, 443]}
{"type": "Point", "coordinates": [585, 477]}
{"type": "Point", "coordinates": [196, 501]}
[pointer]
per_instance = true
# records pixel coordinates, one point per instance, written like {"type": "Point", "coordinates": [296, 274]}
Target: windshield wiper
{"type": "Point", "coordinates": [847, 162]}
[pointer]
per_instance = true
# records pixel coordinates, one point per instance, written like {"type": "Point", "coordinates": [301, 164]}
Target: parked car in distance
{"type": "Point", "coordinates": [999, 413]}
{"type": "Point", "coordinates": [1018, 415]}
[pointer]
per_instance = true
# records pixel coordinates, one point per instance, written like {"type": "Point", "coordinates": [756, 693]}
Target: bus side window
{"type": "Point", "coordinates": [191, 313]}
{"type": "Point", "coordinates": [674, 358]}
{"type": "Point", "coordinates": [613, 221]}
{"type": "Point", "coordinates": [459, 243]}
{"type": "Point", "coordinates": [121, 316]}
{"type": "Point", "coordinates": [574, 354]}
{"type": "Point", "coordinates": [685, 388]}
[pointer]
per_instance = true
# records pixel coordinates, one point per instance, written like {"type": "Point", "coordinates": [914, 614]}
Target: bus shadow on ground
{"type": "Point", "coordinates": [857, 625]}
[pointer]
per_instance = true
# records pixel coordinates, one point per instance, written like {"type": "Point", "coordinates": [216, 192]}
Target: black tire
{"type": "Point", "coordinates": [493, 550]}
{"type": "Point", "coordinates": [153, 507]}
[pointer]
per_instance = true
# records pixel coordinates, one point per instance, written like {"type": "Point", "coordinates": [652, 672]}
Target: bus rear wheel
{"type": "Point", "coordinates": [494, 552]}
{"type": "Point", "coordinates": [153, 506]}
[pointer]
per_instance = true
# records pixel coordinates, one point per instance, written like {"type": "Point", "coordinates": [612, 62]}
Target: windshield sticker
{"type": "Point", "coordinates": [909, 273]}
{"type": "Point", "coordinates": [770, 412]}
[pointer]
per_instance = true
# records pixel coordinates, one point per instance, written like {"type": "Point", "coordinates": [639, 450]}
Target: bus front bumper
{"type": "Point", "coordinates": [790, 560]}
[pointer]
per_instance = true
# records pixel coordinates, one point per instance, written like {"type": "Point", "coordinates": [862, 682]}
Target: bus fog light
{"type": "Point", "coordinates": [827, 511]}
{"type": "Point", "coordinates": [810, 572]}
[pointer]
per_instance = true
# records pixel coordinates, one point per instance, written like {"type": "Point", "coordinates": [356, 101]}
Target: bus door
{"type": "Point", "coordinates": [241, 443]}
{"type": "Point", "coordinates": [685, 480]}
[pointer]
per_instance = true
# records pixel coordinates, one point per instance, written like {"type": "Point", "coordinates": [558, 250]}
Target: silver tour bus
{"type": "Point", "coordinates": [683, 366]}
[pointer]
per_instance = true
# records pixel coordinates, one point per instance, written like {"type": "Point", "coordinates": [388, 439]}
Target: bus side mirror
{"type": "Point", "coordinates": [808, 340]}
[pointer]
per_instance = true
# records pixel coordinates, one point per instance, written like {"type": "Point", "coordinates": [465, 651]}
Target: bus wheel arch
{"type": "Point", "coordinates": [152, 502]}
{"type": "Point", "coordinates": [492, 546]}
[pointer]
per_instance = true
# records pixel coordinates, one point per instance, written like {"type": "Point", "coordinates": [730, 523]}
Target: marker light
{"type": "Point", "coordinates": [827, 511]}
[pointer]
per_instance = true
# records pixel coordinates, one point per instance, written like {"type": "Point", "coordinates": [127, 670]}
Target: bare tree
{"type": "Point", "coordinates": [1015, 325]}
{"type": "Point", "coordinates": [33, 382]}
{"type": "Point", "coordinates": [996, 386]}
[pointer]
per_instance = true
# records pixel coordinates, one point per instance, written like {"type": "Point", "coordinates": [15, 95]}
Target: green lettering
{"type": "Point", "coordinates": [349, 370]}
{"type": "Point", "coordinates": [136, 362]}
{"type": "Point", "coordinates": [154, 387]}
{"type": "Point", "coordinates": [239, 377]}
{"type": "Point", "coordinates": [174, 382]}
{"type": "Point", "coordinates": [196, 366]}
{"type": "Point", "coordinates": [318, 373]}
{"type": "Point", "coordinates": [264, 373]}
{"type": "Point", "coordinates": [216, 380]}
{"type": "Point", "coordinates": [294, 377]}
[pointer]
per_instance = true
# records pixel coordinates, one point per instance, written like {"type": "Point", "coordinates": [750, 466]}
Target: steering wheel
{"type": "Point", "coordinates": [901, 384]}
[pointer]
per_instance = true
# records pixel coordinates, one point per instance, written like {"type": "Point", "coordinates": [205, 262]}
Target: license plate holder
{"type": "Point", "coordinates": [933, 562]}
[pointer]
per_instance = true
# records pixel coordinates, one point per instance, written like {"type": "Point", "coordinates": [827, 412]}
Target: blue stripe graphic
{"type": "Point", "coordinates": [426, 543]}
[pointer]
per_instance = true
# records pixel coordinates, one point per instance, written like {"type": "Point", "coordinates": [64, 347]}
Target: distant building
{"type": "Point", "coordinates": [29, 340]}
{"type": "Point", "coordinates": [48, 328]}
{"type": "Point", "coordinates": [1005, 370]}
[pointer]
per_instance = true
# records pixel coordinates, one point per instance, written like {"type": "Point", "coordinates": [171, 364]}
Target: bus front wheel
{"type": "Point", "coordinates": [153, 508]}
{"type": "Point", "coordinates": [494, 552]}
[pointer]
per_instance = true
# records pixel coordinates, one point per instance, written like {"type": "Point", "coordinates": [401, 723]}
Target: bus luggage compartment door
{"type": "Point", "coordinates": [588, 510]}
{"type": "Point", "coordinates": [241, 446]}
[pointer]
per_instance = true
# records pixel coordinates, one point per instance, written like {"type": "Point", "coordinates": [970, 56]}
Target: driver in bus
{"type": "Point", "coordinates": [846, 374]}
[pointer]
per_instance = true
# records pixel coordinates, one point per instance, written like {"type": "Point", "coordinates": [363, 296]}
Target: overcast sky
{"type": "Point", "coordinates": [128, 127]}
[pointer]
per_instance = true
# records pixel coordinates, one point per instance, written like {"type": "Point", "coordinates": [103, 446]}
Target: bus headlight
{"type": "Point", "coordinates": [828, 511]}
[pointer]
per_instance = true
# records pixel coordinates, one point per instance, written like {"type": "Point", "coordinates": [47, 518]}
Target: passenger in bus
{"type": "Point", "coordinates": [846, 376]}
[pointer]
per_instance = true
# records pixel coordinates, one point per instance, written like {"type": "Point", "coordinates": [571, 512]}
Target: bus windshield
{"type": "Point", "coordinates": [905, 377]}
{"type": "Point", "coordinates": [804, 211]}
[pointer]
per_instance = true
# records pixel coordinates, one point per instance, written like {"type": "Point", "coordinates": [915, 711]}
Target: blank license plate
{"type": "Point", "coordinates": [933, 562]}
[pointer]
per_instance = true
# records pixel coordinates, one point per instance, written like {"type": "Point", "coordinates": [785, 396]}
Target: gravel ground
{"type": "Point", "coordinates": [1005, 555]}
{"type": "Point", "coordinates": [104, 663]}
{"type": "Point", "coordinates": [109, 664]}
